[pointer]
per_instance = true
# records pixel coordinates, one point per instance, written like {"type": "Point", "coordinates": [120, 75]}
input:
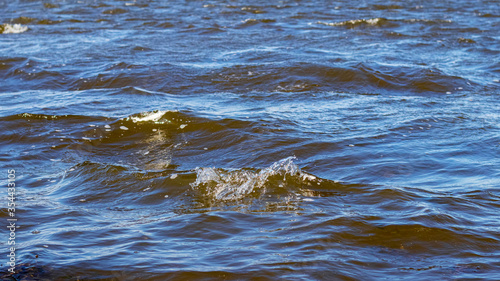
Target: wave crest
{"type": "Point", "coordinates": [12, 28]}
{"type": "Point", "coordinates": [235, 184]}
{"type": "Point", "coordinates": [354, 23]}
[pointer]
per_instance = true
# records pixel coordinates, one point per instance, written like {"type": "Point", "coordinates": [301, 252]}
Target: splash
{"type": "Point", "coordinates": [153, 116]}
{"type": "Point", "coordinates": [236, 184]}
{"type": "Point", "coordinates": [12, 28]}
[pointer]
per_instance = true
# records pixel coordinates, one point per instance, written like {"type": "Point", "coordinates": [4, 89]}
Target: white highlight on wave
{"type": "Point", "coordinates": [376, 21]}
{"type": "Point", "coordinates": [230, 185]}
{"type": "Point", "coordinates": [373, 21]}
{"type": "Point", "coordinates": [152, 116]}
{"type": "Point", "coordinates": [12, 28]}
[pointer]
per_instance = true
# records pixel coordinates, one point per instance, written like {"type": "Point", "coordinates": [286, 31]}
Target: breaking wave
{"type": "Point", "coordinates": [12, 28]}
{"type": "Point", "coordinates": [235, 184]}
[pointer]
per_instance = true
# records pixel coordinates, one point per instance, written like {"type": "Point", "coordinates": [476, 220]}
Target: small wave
{"type": "Point", "coordinates": [236, 184]}
{"type": "Point", "coordinates": [49, 22]}
{"type": "Point", "coordinates": [299, 77]}
{"type": "Point", "coordinates": [426, 21]}
{"type": "Point", "coordinates": [466, 40]}
{"type": "Point", "coordinates": [253, 10]}
{"type": "Point", "coordinates": [387, 7]}
{"type": "Point", "coordinates": [354, 23]}
{"type": "Point", "coordinates": [12, 28]}
{"type": "Point", "coordinates": [23, 20]}
{"type": "Point", "coordinates": [152, 116]}
{"type": "Point", "coordinates": [34, 116]}
{"type": "Point", "coordinates": [115, 11]}
{"type": "Point", "coordinates": [255, 21]}
{"type": "Point", "coordinates": [379, 22]}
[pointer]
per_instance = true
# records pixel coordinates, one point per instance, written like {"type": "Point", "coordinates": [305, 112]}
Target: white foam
{"type": "Point", "coordinates": [14, 28]}
{"type": "Point", "coordinates": [373, 21]}
{"type": "Point", "coordinates": [309, 177]}
{"type": "Point", "coordinates": [150, 116]}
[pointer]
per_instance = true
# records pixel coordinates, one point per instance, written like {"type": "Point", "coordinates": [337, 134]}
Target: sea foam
{"type": "Point", "coordinates": [12, 28]}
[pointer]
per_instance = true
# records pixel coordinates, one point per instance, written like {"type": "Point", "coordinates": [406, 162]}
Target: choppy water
{"type": "Point", "coordinates": [252, 140]}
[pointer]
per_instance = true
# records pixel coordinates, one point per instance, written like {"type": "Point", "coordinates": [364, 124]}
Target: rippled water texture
{"type": "Point", "coordinates": [251, 140]}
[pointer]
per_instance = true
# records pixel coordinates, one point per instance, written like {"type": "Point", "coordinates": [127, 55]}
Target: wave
{"type": "Point", "coordinates": [224, 184]}
{"type": "Point", "coordinates": [345, 76]}
{"type": "Point", "coordinates": [300, 77]}
{"type": "Point", "coordinates": [146, 140]}
{"type": "Point", "coordinates": [148, 122]}
{"type": "Point", "coordinates": [387, 7]}
{"type": "Point", "coordinates": [116, 185]}
{"type": "Point", "coordinates": [119, 185]}
{"type": "Point", "coordinates": [381, 22]}
{"type": "Point", "coordinates": [251, 22]}
{"type": "Point", "coordinates": [355, 23]}
{"type": "Point", "coordinates": [12, 28]}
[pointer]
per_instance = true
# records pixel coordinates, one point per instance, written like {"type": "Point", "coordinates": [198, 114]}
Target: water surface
{"type": "Point", "coordinates": [290, 140]}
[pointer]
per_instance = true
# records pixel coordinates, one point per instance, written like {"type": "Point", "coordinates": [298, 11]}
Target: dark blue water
{"type": "Point", "coordinates": [251, 140]}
